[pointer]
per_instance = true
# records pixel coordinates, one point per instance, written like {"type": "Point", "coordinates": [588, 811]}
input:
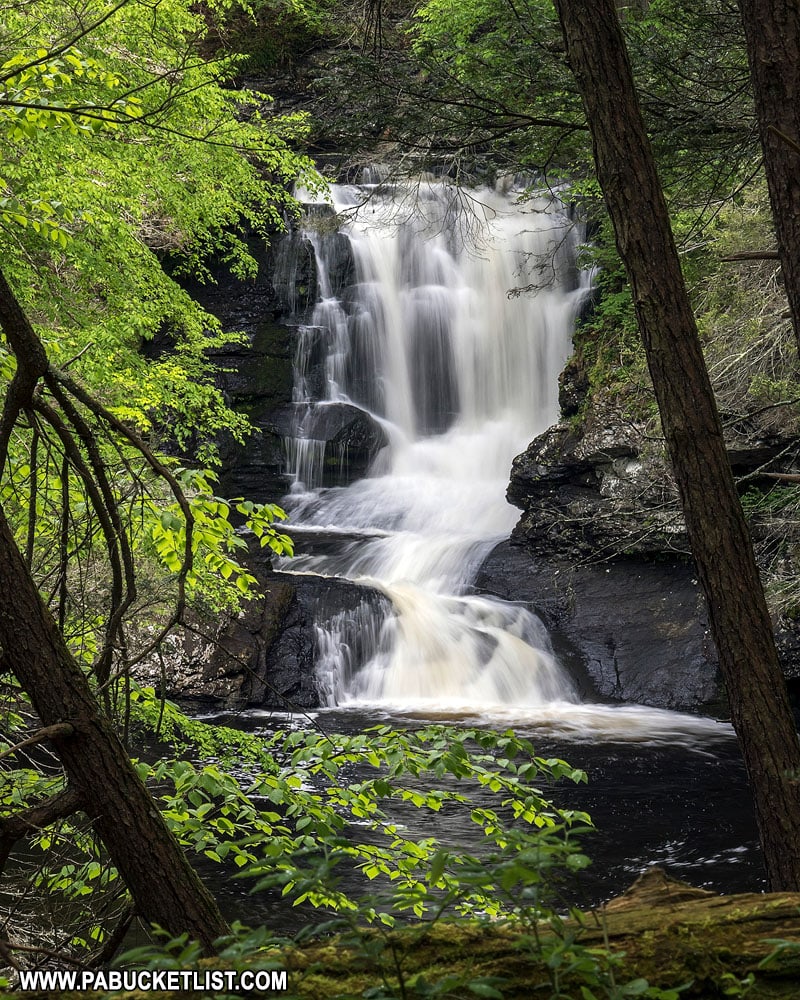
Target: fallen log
{"type": "Point", "coordinates": [660, 930]}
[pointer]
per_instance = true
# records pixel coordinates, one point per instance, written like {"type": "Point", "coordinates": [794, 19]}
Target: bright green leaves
{"type": "Point", "coordinates": [260, 518]}
{"type": "Point", "coordinates": [319, 803]}
{"type": "Point", "coordinates": [44, 92]}
{"type": "Point", "coordinates": [119, 152]}
{"type": "Point", "coordinates": [429, 772]}
{"type": "Point", "coordinates": [214, 540]}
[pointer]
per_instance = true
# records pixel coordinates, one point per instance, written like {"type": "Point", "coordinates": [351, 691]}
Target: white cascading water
{"type": "Point", "coordinates": [462, 374]}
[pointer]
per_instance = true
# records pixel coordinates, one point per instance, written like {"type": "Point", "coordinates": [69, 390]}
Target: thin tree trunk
{"type": "Point", "coordinates": [718, 534]}
{"type": "Point", "coordinates": [772, 30]}
{"type": "Point", "coordinates": [165, 887]}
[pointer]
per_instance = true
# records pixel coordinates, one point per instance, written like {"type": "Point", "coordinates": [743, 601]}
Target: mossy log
{"type": "Point", "coordinates": [661, 930]}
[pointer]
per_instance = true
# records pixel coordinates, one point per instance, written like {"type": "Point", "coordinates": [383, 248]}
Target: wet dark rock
{"type": "Point", "coordinates": [238, 303]}
{"type": "Point", "coordinates": [605, 489]}
{"type": "Point", "coordinates": [352, 439]}
{"type": "Point", "coordinates": [573, 386]}
{"type": "Point", "coordinates": [257, 379]}
{"type": "Point", "coordinates": [602, 554]}
{"type": "Point", "coordinates": [266, 657]}
{"type": "Point", "coordinates": [336, 252]}
{"type": "Point", "coordinates": [633, 631]}
{"type": "Point", "coordinates": [260, 369]}
{"type": "Point", "coordinates": [294, 277]}
{"type": "Point", "coordinates": [311, 357]}
{"type": "Point", "coordinates": [595, 496]}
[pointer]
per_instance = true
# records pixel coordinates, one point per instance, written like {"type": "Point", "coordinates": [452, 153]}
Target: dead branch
{"type": "Point", "coordinates": [752, 255]}
{"type": "Point", "coordinates": [785, 477]}
{"type": "Point", "coordinates": [19, 825]}
{"type": "Point", "coordinates": [787, 139]}
{"type": "Point", "coordinates": [59, 731]}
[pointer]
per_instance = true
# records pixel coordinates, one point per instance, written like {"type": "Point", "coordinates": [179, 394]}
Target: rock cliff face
{"type": "Point", "coordinates": [601, 553]}
{"type": "Point", "coordinates": [266, 657]}
{"type": "Point", "coordinates": [600, 550]}
{"type": "Point", "coordinates": [632, 630]}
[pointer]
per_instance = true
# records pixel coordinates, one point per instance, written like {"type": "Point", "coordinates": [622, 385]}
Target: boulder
{"type": "Point", "coordinates": [268, 655]}
{"type": "Point", "coordinates": [631, 631]}
{"type": "Point", "coordinates": [596, 495]}
{"type": "Point", "coordinates": [352, 439]}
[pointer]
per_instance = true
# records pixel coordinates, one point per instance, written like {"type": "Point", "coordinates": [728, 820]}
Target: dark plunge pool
{"type": "Point", "coordinates": [663, 788]}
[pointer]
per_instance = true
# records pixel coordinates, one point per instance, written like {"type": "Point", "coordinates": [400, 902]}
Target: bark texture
{"type": "Point", "coordinates": [718, 534]}
{"type": "Point", "coordinates": [164, 885]}
{"type": "Point", "coordinates": [772, 30]}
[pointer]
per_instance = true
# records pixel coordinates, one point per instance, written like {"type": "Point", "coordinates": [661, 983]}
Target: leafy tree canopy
{"type": "Point", "coordinates": [121, 142]}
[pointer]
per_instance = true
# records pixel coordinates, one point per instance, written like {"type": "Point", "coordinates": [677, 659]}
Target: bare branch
{"type": "Point", "coordinates": [58, 731]}
{"type": "Point", "coordinates": [752, 255]}
{"type": "Point", "coordinates": [787, 139]}
{"type": "Point", "coordinates": [784, 477]}
{"type": "Point", "coordinates": [14, 828]}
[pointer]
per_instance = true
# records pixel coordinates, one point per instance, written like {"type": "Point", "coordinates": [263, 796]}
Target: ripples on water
{"type": "Point", "coordinates": [664, 788]}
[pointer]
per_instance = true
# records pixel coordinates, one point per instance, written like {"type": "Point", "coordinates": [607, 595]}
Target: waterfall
{"type": "Point", "coordinates": [424, 338]}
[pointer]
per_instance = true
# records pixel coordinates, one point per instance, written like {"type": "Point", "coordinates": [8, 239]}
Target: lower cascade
{"type": "Point", "coordinates": [455, 367]}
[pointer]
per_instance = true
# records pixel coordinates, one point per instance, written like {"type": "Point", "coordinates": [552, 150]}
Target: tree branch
{"type": "Point", "coordinates": [19, 825]}
{"type": "Point", "coordinates": [787, 139]}
{"type": "Point", "coordinates": [784, 477]}
{"type": "Point", "coordinates": [752, 255]}
{"type": "Point", "coordinates": [31, 359]}
{"type": "Point", "coordinates": [58, 731]}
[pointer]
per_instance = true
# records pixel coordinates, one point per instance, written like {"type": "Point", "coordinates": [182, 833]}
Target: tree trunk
{"type": "Point", "coordinates": [165, 887]}
{"type": "Point", "coordinates": [718, 534]}
{"type": "Point", "coordinates": [772, 30]}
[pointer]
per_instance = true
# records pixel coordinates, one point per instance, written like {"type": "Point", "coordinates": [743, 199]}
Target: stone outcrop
{"type": "Point", "coordinates": [267, 655]}
{"type": "Point", "coordinates": [351, 440]}
{"type": "Point", "coordinates": [600, 551]}
{"type": "Point", "coordinates": [256, 378]}
{"type": "Point", "coordinates": [632, 630]}
{"type": "Point", "coordinates": [602, 494]}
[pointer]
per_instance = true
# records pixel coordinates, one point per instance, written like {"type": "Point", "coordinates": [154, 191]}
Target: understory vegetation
{"type": "Point", "coordinates": [751, 355]}
{"type": "Point", "coordinates": [135, 158]}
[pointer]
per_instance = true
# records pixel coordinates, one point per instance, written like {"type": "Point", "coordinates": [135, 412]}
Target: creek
{"type": "Point", "coordinates": [444, 318]}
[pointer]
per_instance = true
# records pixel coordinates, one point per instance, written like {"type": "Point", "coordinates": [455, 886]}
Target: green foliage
{"type": "Point", "coordinates": [499, 66]}
{"type": "Point", "coordinates": [694, 86]}
{"type": "Point", "coordinates": [290, 810]}
{"type": "Point", "coordinates": [213, 537]}
{"type": "Point", "coordinates": [129, 161]}
{"type": "Point", "coordinates": [154, 717]}
{"type": "Point", "coordinates": [133, 148]}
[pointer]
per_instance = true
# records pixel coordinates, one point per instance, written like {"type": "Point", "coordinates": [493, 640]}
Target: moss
{"type": "Point", "coordinates": [660, 930]}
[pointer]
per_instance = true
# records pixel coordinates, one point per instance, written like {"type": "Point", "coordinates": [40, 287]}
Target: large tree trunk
{"type": "Point", "coordinates": [718, 534]}
{"type": "Point", "coordinates": [772, 30]}
{"type": "Point", "coordinates": [165, 887]}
